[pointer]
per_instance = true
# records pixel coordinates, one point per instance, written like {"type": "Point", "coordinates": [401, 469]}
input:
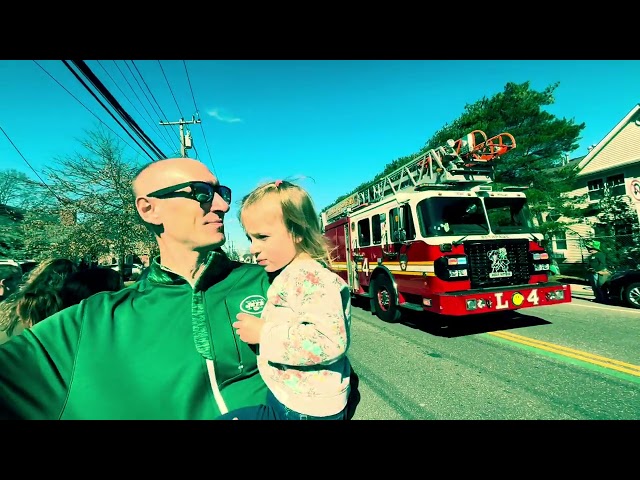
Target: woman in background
{"type": "Point", "coordinates": [54, 285]}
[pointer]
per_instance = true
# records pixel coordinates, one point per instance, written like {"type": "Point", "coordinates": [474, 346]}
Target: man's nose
{"type": "Point", "coordinates": [218, 204]}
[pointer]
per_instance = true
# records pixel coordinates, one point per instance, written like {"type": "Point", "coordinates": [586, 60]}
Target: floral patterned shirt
{"type": "Point", "coordinates": [305, 339]}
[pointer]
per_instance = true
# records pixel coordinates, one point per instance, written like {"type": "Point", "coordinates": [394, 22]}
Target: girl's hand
{"type": "Point", "coordinates": [248, 327]}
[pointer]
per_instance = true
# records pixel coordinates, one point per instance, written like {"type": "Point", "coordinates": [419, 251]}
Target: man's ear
{"type": "Point", "coordinates": [147, 211]}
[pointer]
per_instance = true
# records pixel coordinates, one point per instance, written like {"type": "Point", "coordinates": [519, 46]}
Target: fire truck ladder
{"type": "Point", "coordinates": [465, 162]}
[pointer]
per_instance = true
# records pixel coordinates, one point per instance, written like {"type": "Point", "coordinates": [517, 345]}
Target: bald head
{"type": "Point", "coordinates": [170, 171]}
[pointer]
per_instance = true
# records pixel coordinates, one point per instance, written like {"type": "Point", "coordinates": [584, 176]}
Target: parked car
{"type": "Point", "coordinates": [25, 265]}
{"type": "Point", "coordinates": [623, 286]}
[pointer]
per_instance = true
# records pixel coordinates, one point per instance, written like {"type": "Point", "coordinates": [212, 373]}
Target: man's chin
{"type": "Point", "coordinates": [213, 241]}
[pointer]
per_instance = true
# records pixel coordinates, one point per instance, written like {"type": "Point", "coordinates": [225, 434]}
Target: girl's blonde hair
{"type": "Point", "coordinates": [299, 216]}
{"type": "Point", "coordinates": [38, 298]}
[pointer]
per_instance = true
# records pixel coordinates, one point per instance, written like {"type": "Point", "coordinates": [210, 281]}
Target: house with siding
{"type": "Point", "coordinates": [613, 164]}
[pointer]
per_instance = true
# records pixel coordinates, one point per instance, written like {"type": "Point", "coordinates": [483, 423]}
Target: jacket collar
{"type": "Point", "coordinates": [217, 266]}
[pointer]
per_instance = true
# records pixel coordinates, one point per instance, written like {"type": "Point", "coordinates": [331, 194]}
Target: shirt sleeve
{"type": "Point", "coordinates": [36, 368]}
{"type": "Point", "coordinates": [317, 328]}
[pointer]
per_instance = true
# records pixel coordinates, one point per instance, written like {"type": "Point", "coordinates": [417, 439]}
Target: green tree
{"type": "Point", "coordinates": [14, 187]}
{"type": "Point", "coordinates": [93, 212]}
{"type": "Point", "coordinates": [542, 142]}
{"type": "Point", "coordinates": [618, 229]}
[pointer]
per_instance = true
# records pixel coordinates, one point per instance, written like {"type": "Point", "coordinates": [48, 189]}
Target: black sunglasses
{"type": "Point", "coordinates": [200, 192]}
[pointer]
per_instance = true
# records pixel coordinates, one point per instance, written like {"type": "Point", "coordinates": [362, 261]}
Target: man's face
{"type": "Point", "coordinates": [186, 221]}
{"type": "Point", "coordinates": [271, 242]}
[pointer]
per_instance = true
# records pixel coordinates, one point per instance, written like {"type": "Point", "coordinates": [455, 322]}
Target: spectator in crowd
{"type": "Point", "coordinates": [84, 283]}
{"type": "Point", "coordinates": [598, 271]}
{"type": "Point", "coordinates": [10, 276]}
{"type": "Point", "coordinates": [37, 299]}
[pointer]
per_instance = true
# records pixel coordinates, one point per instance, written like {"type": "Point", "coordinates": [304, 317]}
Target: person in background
{"type": "Point", "coordinates": [37, 299]}
{"type": "Point", "coordinates": [89, 281]}
{"type": "Point", "coordinates": [597, 268]}
{"type": "Point", "coordinates": [10, 277]}
{"type": "Point", "coordinates": [303, 333]}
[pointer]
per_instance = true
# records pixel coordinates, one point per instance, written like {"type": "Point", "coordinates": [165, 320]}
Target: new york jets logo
{"type": "Point", "coordinates": [253, 304]}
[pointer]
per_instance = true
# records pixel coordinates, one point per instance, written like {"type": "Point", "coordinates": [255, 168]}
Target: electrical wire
{"type": "Point", "coordinates": [134, 92]}
{"type": "Point", "coordinates": [63, 201]}
{"type": "Point", "coordinates": [168, 85]}
{"type": "Point", "coordinates": [163, 133]}
{"type": "Point", "coordinates": [95, 81]}
{"type": "Point", "coordinates": [198, 113]}
{"type": "Point", "coordinates": [91, 112]}
{"type": "Point", "coordinates": [105, 107]}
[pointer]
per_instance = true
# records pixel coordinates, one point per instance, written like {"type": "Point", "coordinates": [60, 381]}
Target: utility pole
{"type": "Point", "coordinates": [185, 141]}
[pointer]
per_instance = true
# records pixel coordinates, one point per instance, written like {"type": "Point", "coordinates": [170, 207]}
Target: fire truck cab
{"type": "Point", "coordinates": [434, 236]}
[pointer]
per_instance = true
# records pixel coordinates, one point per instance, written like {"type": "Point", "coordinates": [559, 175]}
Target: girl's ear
{"type": "Point", "coordinates": [298, 238]}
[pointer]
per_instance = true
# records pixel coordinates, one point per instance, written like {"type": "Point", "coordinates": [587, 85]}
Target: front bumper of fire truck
{"type": "Point", "coordinates": [498, 299]}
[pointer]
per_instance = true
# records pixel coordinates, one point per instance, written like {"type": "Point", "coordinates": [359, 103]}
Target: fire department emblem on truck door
{"type": "Point", "coordinates": [403, 261]}
{"type": "Point", "coordinates": [499, 263]}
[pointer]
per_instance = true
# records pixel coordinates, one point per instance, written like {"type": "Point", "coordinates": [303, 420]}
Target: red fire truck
{"type": "Point", "coordinates": [435, 236]}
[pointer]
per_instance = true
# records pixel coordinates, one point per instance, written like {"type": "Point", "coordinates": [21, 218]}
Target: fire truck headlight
{"type": "Point", "coordinates": [457, 273]}
{"type": "Point", "coordinates": [540, 267]}
{"type": "Point", "coordinates": [471, 304]}
{"type": "Point", "coordinates": [481, 303]}
{"type": "Point", "coordinates": [555, 295]}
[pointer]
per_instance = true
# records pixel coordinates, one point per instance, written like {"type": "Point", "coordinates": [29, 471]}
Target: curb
{"type": "Point", "coordinates": [582, 291]}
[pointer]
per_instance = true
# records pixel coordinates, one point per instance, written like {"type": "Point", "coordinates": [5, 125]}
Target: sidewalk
{"type": "Point", "coordinates": [581, 291]}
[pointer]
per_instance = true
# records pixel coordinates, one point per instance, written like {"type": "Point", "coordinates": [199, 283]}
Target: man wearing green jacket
{"type": "Point", "coordinates": [162, 348]}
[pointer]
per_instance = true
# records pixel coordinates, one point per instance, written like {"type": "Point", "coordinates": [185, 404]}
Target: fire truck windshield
{"type": "Point", "coordinates": [509, 215]}
{"type": "Point", "coordinates": [440, 216]}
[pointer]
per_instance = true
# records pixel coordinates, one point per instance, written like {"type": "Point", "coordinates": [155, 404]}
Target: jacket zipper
{"type": "Point", "coordinates": [211, 370]}
{"type": "Point", "coordinates": [217, 395]}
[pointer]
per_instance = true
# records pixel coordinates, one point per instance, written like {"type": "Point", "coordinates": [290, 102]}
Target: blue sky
{"type": "Point", "coordinates": [334, 124]}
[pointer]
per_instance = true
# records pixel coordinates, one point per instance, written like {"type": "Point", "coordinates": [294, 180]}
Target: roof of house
{"type": "Point", "coordinates": [603, 143]}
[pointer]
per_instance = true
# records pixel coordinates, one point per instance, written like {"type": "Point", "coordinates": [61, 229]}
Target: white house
{"type": "Point", "coordinates": [613, 163]}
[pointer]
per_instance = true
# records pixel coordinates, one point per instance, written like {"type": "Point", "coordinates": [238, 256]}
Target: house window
{"type": "Point", "coordinates": [561, 240]}
{"type": "Point", "coordinates": [615, 184]}
{"type": "Point", "coordinates": [596, 189]}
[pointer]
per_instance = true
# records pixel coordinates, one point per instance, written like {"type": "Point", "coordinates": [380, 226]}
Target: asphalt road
{"type": "Point", "coordinates": [572, 361]}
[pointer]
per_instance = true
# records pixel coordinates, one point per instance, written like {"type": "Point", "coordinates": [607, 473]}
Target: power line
{"type": "Point", "coordinates": [198, 113]}
{"type": "Point", "coordinates": [150, 92]}
{"type": "Point", "coordinates": [31, 167]}
{"type": "Point", "coordinates": [89, 110]}
{"type": "Point", "coordinates": [105, 107]}
{"type": "Point", "coordinates": [168, 85]}
{"type": "Point", "coordinates": [161, 114]}
{"type": "Point", "coordinates": [133, 90]}
{"type": "Point", "coordinates": [84, 68]}
{"type": "Point", "coordinates": [162, 133]}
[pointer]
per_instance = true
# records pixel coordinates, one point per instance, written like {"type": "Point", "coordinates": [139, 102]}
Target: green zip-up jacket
{"type": "Point", "coordinates": [158, 349]}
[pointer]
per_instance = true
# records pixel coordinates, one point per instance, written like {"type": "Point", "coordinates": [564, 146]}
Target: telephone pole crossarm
{"type": "Point", "coordinates": [183, 140]}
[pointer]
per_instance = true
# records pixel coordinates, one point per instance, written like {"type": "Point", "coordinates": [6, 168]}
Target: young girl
{"type": "Point", "coordinates": [304, 330]}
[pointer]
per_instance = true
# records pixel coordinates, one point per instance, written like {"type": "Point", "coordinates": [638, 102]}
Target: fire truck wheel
{"type": "Point", "coordinates": [385, 301]}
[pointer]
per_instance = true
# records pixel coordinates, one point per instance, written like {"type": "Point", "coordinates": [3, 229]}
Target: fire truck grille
{"type": "Point", "coordinates": [498, 263]}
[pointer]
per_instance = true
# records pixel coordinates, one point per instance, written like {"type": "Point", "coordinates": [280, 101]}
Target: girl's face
{"type": "Point", "coordinates": [271, 243]}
